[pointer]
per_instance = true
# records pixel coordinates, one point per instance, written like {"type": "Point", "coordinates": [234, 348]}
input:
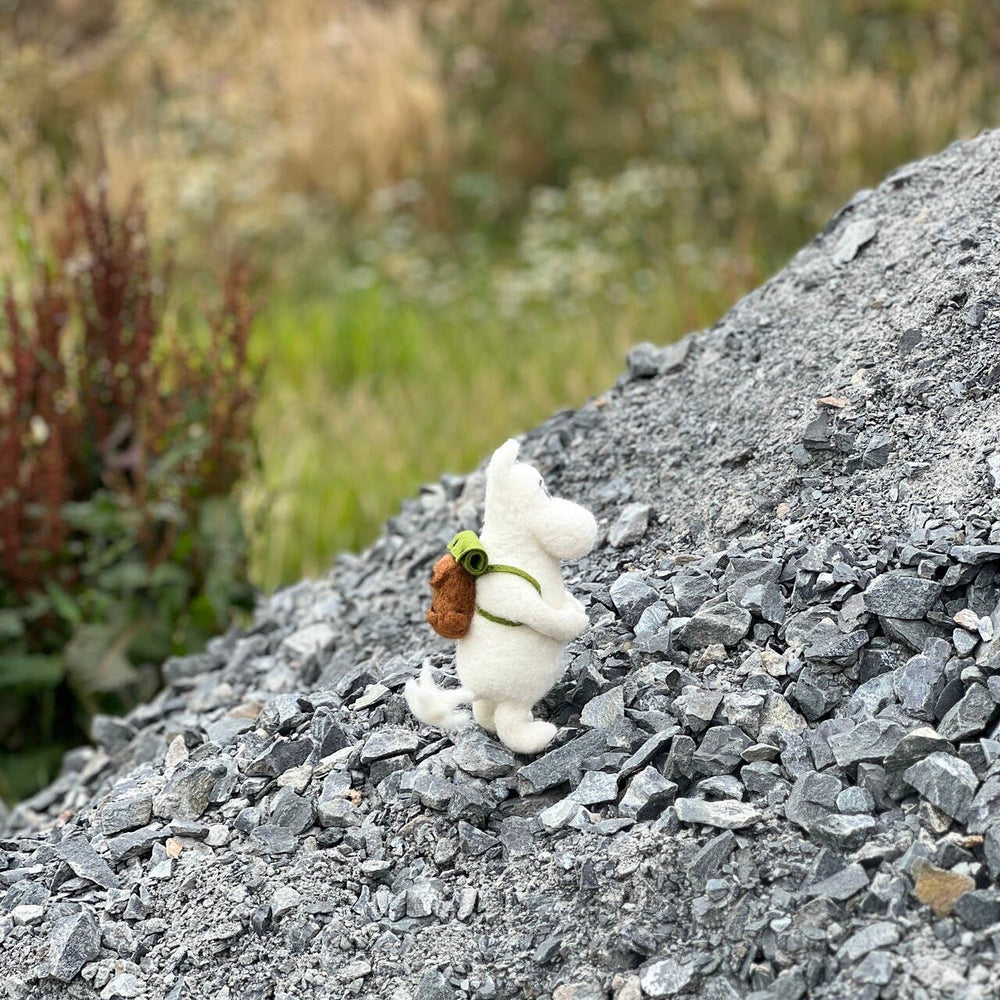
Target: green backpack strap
{"type": "Point", "coordinates": [468, 551]}
{"type": "Point", "coordinates": [498, 568]}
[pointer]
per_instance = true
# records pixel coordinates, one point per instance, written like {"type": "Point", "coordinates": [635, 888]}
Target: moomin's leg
{"type": "Point", "coordinates": [519, 731]}
{"type": "Point", "coordinates": [483, 711]}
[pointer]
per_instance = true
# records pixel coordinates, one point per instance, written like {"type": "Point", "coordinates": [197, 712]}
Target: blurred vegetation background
{"type": "Point", "coordinates": [460, 214]}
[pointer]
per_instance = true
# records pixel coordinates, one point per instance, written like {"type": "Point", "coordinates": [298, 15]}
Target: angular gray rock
{"type": "Point", "coordinates": [835, 645]}
{"type": "Point", "coordinates": [335, 811]}
{"type": "Point", "coordinates": [978, 909]}
{"type": "Point", "coordinates": [186, 794]}
{"type": "Point", "coordinates": [75, 941]}
{"type": "Point", "coordinates": [596, 788]}
{"type": "Point", "coordinates": [970, 715]}
{"type": "Point", "coordinates": [919, 683]}
{"type": "Point", "coordinates": [561, 764]}
{"type": "Point", "coordinates": [272, 839]}
{"type": "Point", "coordinates": [766, 601]}
{"type": "Point", "coordinates": [855, 800]}
{"type": "Point", "coordinates": [279, 757]}
{"type": "Point", "coordinates": [604, 711]}
{"type": "Point", "coordinates": [778, 718]}
{"type": "Point", "coordinates": [691, 589]}
{"type": "Point", "coordinates": [915, 746]}
{"type": "Point", "coordinates": [135, 843]}
{"type": "Point", "coordinates": [710, 859]}
{"type": "Point", "coordinates": [843, 833]}
{"type": "Point", "coordinates": [726, 815]}
{"type": "Point", "coordinates": [975, 555]}
{"type": "Point", "coordinates": [483, 757]}
{"type": "Point", "coordinates": [630, 526]}
{"type": "Point", "coordinates": [631, 595]}
{"type": "Point", "coordinates": [78, 853]}
{"type": "Point", "coordinates": [899, 594]}
{"type": "Point", "coordinates": [985, 807]}
{"type": "Point", "coordinates": [667, 978]}
{"type": "Point", "coordinates": [813, 797]}
{"type": "Point", "coordinates": [698, 706]}
{"type": "Point", "coordinates": [292, 811]}
{"type": "Point", "coordinates": [840, 886]}
{"type": "Point", "coordinates": [648, 794]}
{"type": "Point", "coordinates": [389, 742]}
{"type": "Point", "coordinates": [880, 934]}
{"type": "Point", "coordinates": [112, 733]}
{"type": "Point", "coordinates": [873, 740]}
{"type": "Point", "coordinates": [127, 811]}
{"type": "Point", "coordinates": [945, 781]}
{"type": "Point", "coordinates": [724, 623]}
{"type": "Point", "coordinates": [720, 750]}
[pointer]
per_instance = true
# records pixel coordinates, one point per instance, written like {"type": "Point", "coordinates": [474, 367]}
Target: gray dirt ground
{"type": "Point", "coordinates": [788, 784]}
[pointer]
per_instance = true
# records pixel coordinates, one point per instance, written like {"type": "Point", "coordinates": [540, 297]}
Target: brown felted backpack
{"type": "Point", "coordinates": [453, 601]}
{"type": "Point", "coordinates": [453, 586]}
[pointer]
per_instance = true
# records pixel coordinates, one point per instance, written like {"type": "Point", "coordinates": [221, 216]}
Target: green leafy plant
{"type": "Point", "coordinates": [122, 437]}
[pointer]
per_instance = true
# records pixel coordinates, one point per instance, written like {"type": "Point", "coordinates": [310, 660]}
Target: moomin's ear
{"type": "Point", "coordinates": [503, 458]}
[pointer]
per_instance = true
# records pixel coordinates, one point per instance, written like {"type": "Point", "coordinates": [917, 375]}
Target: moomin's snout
{"type": "Point", "coordinates": [570, 530]}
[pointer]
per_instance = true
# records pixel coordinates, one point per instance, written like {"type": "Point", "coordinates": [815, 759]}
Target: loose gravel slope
{"type": "Point", "coordinates": [779, 769]}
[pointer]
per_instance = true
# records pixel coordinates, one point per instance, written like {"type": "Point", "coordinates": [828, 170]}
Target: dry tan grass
{"type": "Point", "coordinates": [828, 124]}
{"type": "Point", "coordinates": [357, 96]}
{"type": "Point", "coordinates": [264, 116]}
{"type": "Point", "coordinates": [241, 115]}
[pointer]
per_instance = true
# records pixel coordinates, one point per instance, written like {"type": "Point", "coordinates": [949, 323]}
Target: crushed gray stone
{"type": "Point", "coordinates": [783, 712]}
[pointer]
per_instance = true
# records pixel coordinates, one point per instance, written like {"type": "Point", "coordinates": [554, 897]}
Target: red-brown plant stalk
{"type": "Point", "coordinates": [93, 394]}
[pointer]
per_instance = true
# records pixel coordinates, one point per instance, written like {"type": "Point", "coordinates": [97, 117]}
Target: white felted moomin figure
{"type": "Point", "coordinates": [517, 616]}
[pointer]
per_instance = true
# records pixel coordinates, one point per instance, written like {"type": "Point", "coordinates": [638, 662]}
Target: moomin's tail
{"type": "Point", "coordinates": [436, 706]}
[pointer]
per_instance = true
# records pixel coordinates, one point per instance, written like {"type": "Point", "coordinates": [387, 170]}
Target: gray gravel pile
{"type": "Point", "coordinates": [778, 773]}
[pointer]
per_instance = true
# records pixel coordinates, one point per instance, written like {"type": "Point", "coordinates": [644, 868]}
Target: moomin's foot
{"type": "Point", "coordinates": [519, 732]}
{"type": "Point", "coordinates": [483, 711]}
